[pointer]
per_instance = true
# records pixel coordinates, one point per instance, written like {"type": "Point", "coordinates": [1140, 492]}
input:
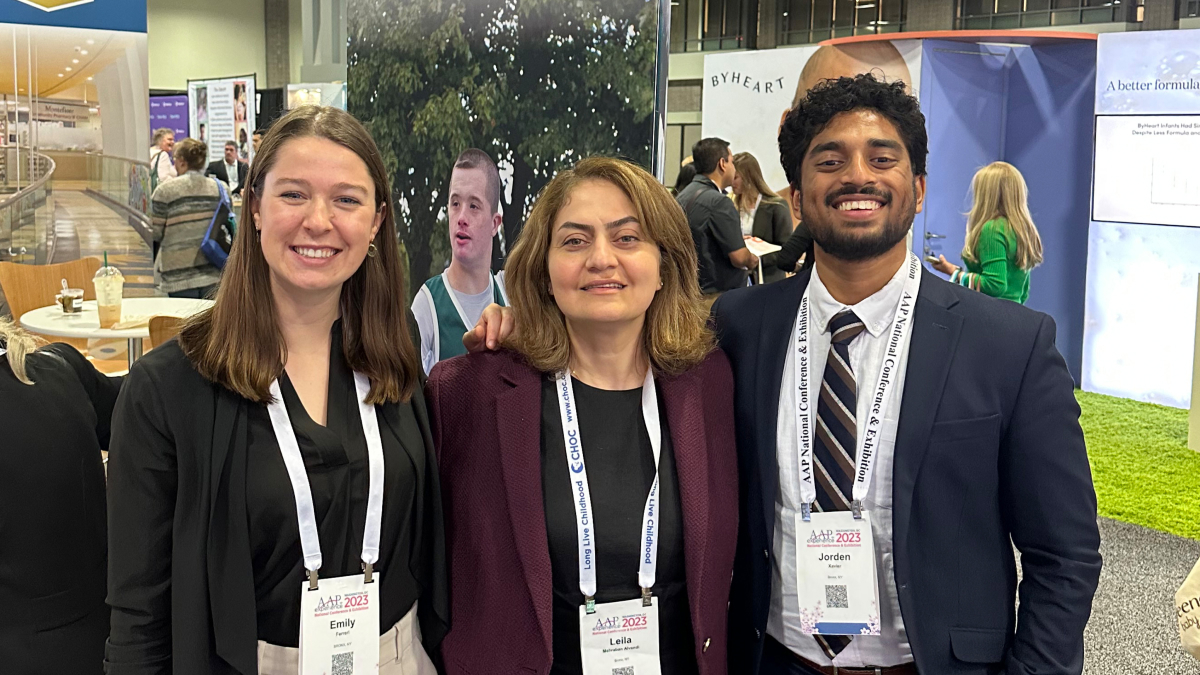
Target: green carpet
{"type": "Point", "coordinates": [1143, 470]}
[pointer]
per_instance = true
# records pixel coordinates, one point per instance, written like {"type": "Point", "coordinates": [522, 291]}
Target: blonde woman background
{"type": "Point", "coordinates": [1003, 244]}
{"type": "Point", "coordinates": [763, 213]}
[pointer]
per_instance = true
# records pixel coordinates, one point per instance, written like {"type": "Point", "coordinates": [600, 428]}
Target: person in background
{"type": "Point", "coordinates": [1003, 245]}
{"type": "Point", "coordinates": [686, 173]}
{"type": "Point", "coordinates": [162, 166]}
{"type": "Point", "coordinates": [55, 415]}
{"type": "Point", "coordinates": [256, 140]}
{"type": "Point", "coordinates": [604, 275]}
{"type": "Point", "coordinates": [180, 213]}
{"type": "Point", "coordinates": [723, 258]}
{"type": "Point", "coordinates": [304, 373]}
{"type": "Point", "coordinates": [243, 144]}
{"type": "Point", "coordinates": [451, 302]}
{"type": "Point", "coordinates": [230, 170]}
{"type": "Point", "coordinates": [763, 214]}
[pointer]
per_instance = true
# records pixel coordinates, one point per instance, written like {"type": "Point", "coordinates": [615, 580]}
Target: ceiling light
{"type": "Point", "coordinates": [91, 42]}
{"type": "Point", "coordinates": [74, 60]}
{"type": "Point", "coordinates": [60, 74]}
{"type": "Point", "coordinates": [89, 79]}
{"type": "Point", "coordinates": [68, 69]}
{"type": "Point", "coordinates": [84, 52]}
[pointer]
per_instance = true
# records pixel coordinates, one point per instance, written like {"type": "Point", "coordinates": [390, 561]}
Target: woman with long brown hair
{"type": "Point", "coordinates": [282, 443]}
{"type": "Point", "coordinates": [764, 215]}
{"type": "Point", "coordinates": [597, 480]}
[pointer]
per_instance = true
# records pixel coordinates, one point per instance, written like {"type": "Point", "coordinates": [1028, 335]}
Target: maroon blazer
{"type": "Point", "coordinates": [486, 412]}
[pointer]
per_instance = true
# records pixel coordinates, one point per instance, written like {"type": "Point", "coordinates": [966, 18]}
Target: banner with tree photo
{"type": "Point", "coordinates": [536, 84]}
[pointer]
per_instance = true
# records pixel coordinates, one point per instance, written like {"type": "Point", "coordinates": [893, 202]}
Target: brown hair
{"type": "Point", "coordinates": [676, 336]}
{"type": "Point", "coordinates": [752, 182]}
{"type": "Point", "coordinates": [192, 151]}
{"type": "Point", "coordinates": [375, 332]}
{"type": "Point", "coordinates": [474, 158]}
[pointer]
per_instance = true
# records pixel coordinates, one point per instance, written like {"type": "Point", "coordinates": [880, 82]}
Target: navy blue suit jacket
{"type": "Point", "coordinates": [989, 454]}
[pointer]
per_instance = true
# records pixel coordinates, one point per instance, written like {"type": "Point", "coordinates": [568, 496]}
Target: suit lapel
{"type": "Point", "coordinates": [931, 350]}
{"type": "Point", "coordinates": [775, 336]}
{"type": "Point", "coordinates": [684, 401]}
{"type": "Point", "coordinates": [519, 429]}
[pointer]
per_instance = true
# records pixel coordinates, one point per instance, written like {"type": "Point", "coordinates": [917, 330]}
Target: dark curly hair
{"type": "Point", "coordinates": [832, 97]}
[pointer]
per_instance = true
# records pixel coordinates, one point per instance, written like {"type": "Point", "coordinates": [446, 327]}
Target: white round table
{"type": "Point", "coordinates": [86, 324]}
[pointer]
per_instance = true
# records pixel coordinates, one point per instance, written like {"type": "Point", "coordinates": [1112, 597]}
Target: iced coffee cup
{"type": "Point", "coordinates": [110, 285]}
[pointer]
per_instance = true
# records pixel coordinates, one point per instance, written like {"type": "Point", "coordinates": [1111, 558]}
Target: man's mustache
{"type": "Point", "coordinates": [856, 190]}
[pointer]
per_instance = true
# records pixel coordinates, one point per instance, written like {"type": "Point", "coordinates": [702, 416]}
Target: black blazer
{"type": "Point", "coordinates": [773, 224]}
{"type": "Point", "coordinates": [217, 169]}
{"type": "Point", "coordinates": [988, 454]}
{"type": "Point", "coordinates": [181, 581]}
{"type": "Point", "coordinates": [52, 530]}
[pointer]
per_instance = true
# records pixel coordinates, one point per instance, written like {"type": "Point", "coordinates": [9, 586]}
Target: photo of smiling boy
{"type": "Point", "coordinates": [453, 300]}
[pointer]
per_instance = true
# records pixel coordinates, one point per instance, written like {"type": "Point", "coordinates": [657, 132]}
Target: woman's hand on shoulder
{"type": "Point", "coordinates": [494, 327]}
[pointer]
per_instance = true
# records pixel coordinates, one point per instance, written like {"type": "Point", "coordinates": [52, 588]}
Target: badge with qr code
{"type": "Point", "coordinates": [620, 638]}
{"type": "Point", "coordinates": [835, 574]}
{"type": "Point", "coordinates": [339, 626]}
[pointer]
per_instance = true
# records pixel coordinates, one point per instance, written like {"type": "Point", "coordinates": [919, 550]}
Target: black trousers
{"type": "Point", "coordinates": [779, 660]}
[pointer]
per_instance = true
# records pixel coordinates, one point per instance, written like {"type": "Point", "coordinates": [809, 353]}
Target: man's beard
{"type": "Point", "coordinates": [844, 243]}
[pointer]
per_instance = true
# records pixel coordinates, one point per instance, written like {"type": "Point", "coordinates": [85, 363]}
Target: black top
{"type": "Point", "coordinates": [620, 467]}
{"type": "Point", "coordinates": [53, 552]}
{"type": "Point", "coordinates": [335, 458]}
{"type": "Point", "coordinates": [717, 232]}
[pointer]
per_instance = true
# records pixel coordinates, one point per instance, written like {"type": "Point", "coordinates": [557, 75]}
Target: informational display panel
{"type": "Point", "coordinates": [170, 112]}
{"type": "Point", "coordinates": [1142, 265]}
{"type": "Point", "coordinates": [745, 94]}
{"type": "Point", "coordinates": [220, 111]}
{"type": "Point", "coordinates": [1145, 169]}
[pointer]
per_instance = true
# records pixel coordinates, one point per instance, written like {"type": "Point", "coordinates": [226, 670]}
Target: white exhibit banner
{"type": "Point", "coordinates": [1142, 265]}
{"type": "Point", "coordinates": [220, 111]}
{"type": "Point", "coordinates": [746, 94]}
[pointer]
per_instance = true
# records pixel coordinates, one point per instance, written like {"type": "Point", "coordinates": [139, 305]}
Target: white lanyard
{"type": "Point", "coordinates": [584, 526]}
{"type": "Point", "coordinates": [454, 298]}
{"type": "Point", "coordinates": [868, 438]}
{"type": "Point", "coordinates": [285, 435]}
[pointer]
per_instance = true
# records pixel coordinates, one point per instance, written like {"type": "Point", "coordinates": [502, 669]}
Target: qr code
{"type": "Point", "coordinates": [624, 670]}
{"type": "Point", "coordinates": [343, 664]}
{"type": "Point", "coordinates": [835, 597]}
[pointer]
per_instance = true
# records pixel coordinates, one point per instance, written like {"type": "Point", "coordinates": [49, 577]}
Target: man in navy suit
{"type": "Point", "coordinates": [866, 385]}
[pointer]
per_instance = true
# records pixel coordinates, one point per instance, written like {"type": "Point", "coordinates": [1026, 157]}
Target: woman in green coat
{"type": "Point", "coordinates": [1002, 244]}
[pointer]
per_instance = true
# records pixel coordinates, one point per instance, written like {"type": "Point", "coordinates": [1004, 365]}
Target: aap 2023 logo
{"type": "Point", "coordinates": [349, 601]}
{"type": "Point", "coordinates": [52, 5]}
{"type": "Point", "coordinates": [621, 623]}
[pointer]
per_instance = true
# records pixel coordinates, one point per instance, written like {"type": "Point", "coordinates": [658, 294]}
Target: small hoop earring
{"type": "Point", "coordinates": [372, 250]}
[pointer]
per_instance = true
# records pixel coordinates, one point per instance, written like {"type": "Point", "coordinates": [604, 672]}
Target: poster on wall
{"type": "Point", "coordinates": [320, 93]}
{"type": "Point", "coordinates": [170, 112]}
{"type": "Point", "coordinates": [220, 111]}
{"type": "Point", "coordinates": [746, 94]}
{"type": "Point", "coordinates": [535, 85]}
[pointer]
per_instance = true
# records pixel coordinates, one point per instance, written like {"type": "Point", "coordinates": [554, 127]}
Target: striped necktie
{"type": "Point", "coordinates": [837, 435]}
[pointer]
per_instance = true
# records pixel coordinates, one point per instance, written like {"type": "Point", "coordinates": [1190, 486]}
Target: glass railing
{"type": "Point", "coordinates": [26, 207]}
{"type": "Point", "coordinates": [121, 181]}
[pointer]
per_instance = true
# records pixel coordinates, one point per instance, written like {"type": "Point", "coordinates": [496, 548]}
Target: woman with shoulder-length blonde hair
{"type": "Point", "coordinates": [1003, 244]}
{"type": "Point", "coordinates": [55, 410]}
{"type": "Point", "coordinates": [597, 478]}
{"type": "Point", "coordinates": [278, 455]}
{"type": "Point", "coordinates": [763, 213]}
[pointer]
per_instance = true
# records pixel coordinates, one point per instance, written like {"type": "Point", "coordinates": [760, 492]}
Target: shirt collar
{"type": "Point", "coordinates": [875, 311]}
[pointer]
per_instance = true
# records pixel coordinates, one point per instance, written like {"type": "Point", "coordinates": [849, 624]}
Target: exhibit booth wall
{"type": "Point", "coordinates": [1144, 241]}
{"type": "Point", "coordinates": [1024, 98]}
{"type": "Point", "coordinates": [1028, 105]}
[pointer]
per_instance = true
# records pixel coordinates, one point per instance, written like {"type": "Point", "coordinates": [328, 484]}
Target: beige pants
{"type": "Point", "coordinates": [400, 652]}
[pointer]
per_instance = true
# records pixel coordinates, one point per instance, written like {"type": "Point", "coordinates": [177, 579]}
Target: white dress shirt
{"type": "Point", "coordinates": [231, 170]}
{"type": "Point", "coordinates": [877, 312]}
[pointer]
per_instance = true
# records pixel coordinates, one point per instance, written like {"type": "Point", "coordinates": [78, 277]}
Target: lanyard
{"type": "Point", "coordinates": [648, 560]}
{"type": "Point", "coordinates": [285, 435]}
{"type": "Point", "coordinates": [867, 442]}
{"type": "Point", "coordinates": [454, 298]}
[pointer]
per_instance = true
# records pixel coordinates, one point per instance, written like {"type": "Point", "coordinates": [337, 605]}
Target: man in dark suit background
{"type": "Point", "coordinates": [981, 449]}
{"type": "Point", "coordinates": [232, 170]}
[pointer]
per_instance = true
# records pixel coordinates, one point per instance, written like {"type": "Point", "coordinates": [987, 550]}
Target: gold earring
{"type": "Point", "coordinates": [372, 250]}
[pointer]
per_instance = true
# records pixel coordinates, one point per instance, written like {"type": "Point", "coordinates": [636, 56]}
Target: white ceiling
{"type": "Point", "coordinates": [53, 50]}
